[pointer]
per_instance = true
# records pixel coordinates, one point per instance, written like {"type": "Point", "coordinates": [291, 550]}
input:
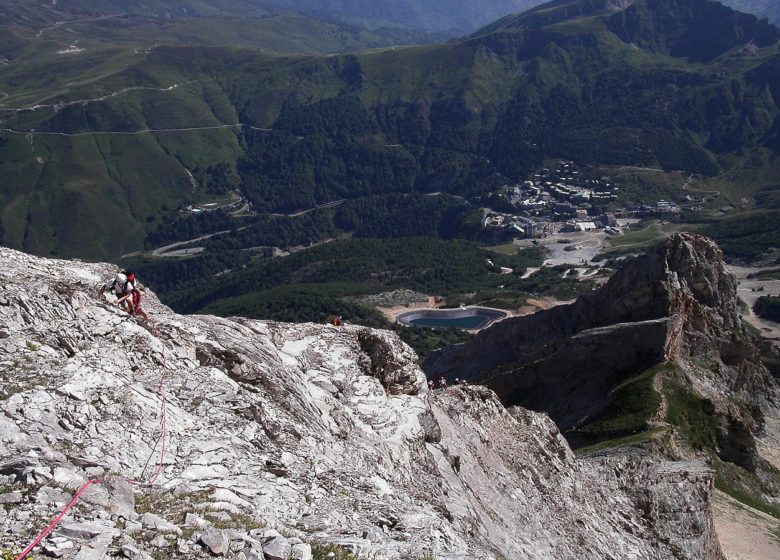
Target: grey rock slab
{"type": "Point", "coordinates": [301, 551]}
{"type": "Point", "coordinates": [215, 540]}
{"type": "Point", "coordinates": [159, 542]}
{"type": "Point", "coordinates": [192, 520]}
{"type": "Point", "coordinates": [68, 478]}
{"type": "Point", "coordinates": [14, 497]}
{"type": "Point", "coordinates": [57, 547]}
{"type": "Point", "coordinates": [86, 531]}
{"type": "Point", "coordinates": [277, 548]}
{"type": "Point", "coordinates": [157, 523]}
{"type": "Point", "coordinates": [326, 432]}
{"type": "Point", "coordinates": [122, 498]}
{"type": "Point", "coordinates": [92, 551]}
{"type": "Point", "coordinates": [183, 546]}
{"type": "Point", "coordinates": [219, 515]}
{"type": "Point", "coordinates": [224, 495]}
{"type": "Point", "coordinates": [133, 553]}
{"type": "Point", "coordinates": [48, 495]}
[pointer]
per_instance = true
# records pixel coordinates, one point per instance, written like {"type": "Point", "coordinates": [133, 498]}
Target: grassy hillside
{"type": "Point", "coordinates": [463, 117]}
{"type": "Point", "coordinates": [452, 16]}
{"type": "Point", "coordinates": [689, 422]}
{"type": "Point", "coordinates": [34, 29]}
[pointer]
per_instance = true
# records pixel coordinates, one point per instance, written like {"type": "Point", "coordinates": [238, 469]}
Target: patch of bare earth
{"type": "Point", "coordinates": [749, 290]}
{"type": "Point", "coordinates": [745, 533]}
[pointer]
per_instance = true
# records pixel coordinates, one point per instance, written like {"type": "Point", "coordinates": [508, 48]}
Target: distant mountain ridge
{"type": "Point", "coordinates": [34, 30]}
{"type": "Point", "coordinates": [431, 16]}
{"type": "Point", "coordinates": [458, 16]}
{"type": "Point", "coordinates": [700, 30]}
{"type": "Point", "coordinates": [683, 85]}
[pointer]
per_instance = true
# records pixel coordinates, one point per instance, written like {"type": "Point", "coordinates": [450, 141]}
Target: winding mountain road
{"type": "Point", "coordinates": [58, 24]}
{"type": "Point", "coordinates": [57, 106]}
{"type": "Point", "coordinates": [166, 249]}
{"type": "Point", "coordinates": [130, 132]}
{"type": "Point", "coordinates": [312, 209]}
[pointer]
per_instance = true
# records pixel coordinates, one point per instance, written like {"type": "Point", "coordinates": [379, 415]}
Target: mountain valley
{"type": "Point", "coordinates": [463, 118]}
{"type": "Point", "coordinates": [287, 179]}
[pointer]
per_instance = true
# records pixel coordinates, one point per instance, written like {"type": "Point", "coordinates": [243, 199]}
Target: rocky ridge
{"type": "Point", "coordinates": [286, 439]}
{"type": "Point", "coordinates": [676, 304]}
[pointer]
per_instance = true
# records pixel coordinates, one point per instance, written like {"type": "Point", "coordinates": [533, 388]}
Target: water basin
{"type": "Point", "coordinates": [469, 318]}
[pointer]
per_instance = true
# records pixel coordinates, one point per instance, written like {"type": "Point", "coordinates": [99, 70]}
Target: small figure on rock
{"type": "Point", "coordinates": [431, 384]}
{"type": "Point", "coordinates": [133, 297]}
{"type": "Point", "coordinates": [337, 321]}
{"type": "Point", "coordinates": [126, 290]}
{"type": "Point", "coordinates": [442, 382]}
{"type": "Point", "coordinates": [117, 284]}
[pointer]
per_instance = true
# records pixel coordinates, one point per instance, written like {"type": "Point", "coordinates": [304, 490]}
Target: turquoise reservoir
{"type": "Point", "coordinates": [469, 318]}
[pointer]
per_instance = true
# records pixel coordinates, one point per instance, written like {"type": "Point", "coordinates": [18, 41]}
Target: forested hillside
{"type": "Point", "coordinates": [121, 139]}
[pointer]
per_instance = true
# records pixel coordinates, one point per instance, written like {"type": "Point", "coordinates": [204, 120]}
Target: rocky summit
{"type": "Point", "coordinates": [211, 437]}
{"type": "Point", "coordinates": [676, 304]}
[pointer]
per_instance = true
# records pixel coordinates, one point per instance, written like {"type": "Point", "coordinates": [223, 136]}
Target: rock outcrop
{"type": "Point", "coordinates": [675, 303]}
{"type": "Point", "coordinates": [285, 439]}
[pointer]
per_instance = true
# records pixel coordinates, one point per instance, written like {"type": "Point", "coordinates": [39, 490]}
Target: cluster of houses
{"type": "Point", "coordinates": [562, 200]}
{"type": "Point", "coordinates": [237, 204]}
{"type": "Point", "coordinates": [555, 200]}
{"type": "Point", "coordinates": [528, 226]}
{"type": "Point", "coordinates": [70, 49]}
{"type": "Point", "coordinates": [650, 210]}
{"type": "Point", "coordinates": [563, 184]}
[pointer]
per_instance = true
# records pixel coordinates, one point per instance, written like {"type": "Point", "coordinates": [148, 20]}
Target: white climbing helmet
{"type": "Point", "coordinates": [119, 283]}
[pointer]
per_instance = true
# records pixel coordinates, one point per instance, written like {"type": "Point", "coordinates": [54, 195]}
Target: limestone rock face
{"type": "Point", "coordinates": [675, 303]}
{"type": "Point", "coordinates": [281, 438]}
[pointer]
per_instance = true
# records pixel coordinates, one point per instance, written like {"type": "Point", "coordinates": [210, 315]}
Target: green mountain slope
{"type": "Point", "coordinates": [460, 16]}
{"type": "Point", "coordinates": [592, 82]}
{"type": "Point", "coordinates": [450, 16]}
{"type": "Point", "coordinates": [34, 29]}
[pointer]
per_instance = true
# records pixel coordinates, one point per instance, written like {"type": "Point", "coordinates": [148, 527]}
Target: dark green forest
{"type": "Point", "coordinates": [768, 307]}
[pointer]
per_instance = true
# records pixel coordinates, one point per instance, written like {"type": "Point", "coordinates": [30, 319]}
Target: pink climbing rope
{"type": "Point", "coordinates": [161, 388]}
{"type": "Point", "coordinates": [57, 519]}
{"type": "Point", "coordinates": [158, 471]}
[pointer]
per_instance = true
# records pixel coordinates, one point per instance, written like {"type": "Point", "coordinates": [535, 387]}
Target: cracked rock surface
{"type": "Point", "coordinates": [284, 439]}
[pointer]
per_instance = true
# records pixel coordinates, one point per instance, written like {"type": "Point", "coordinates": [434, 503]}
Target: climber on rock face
{"type": "Point", "coordinates": [125, 288]}
{"type": "Point", "coordinates": [118, 285]}
{"type": "Point", "coordinates": [132, 298]}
